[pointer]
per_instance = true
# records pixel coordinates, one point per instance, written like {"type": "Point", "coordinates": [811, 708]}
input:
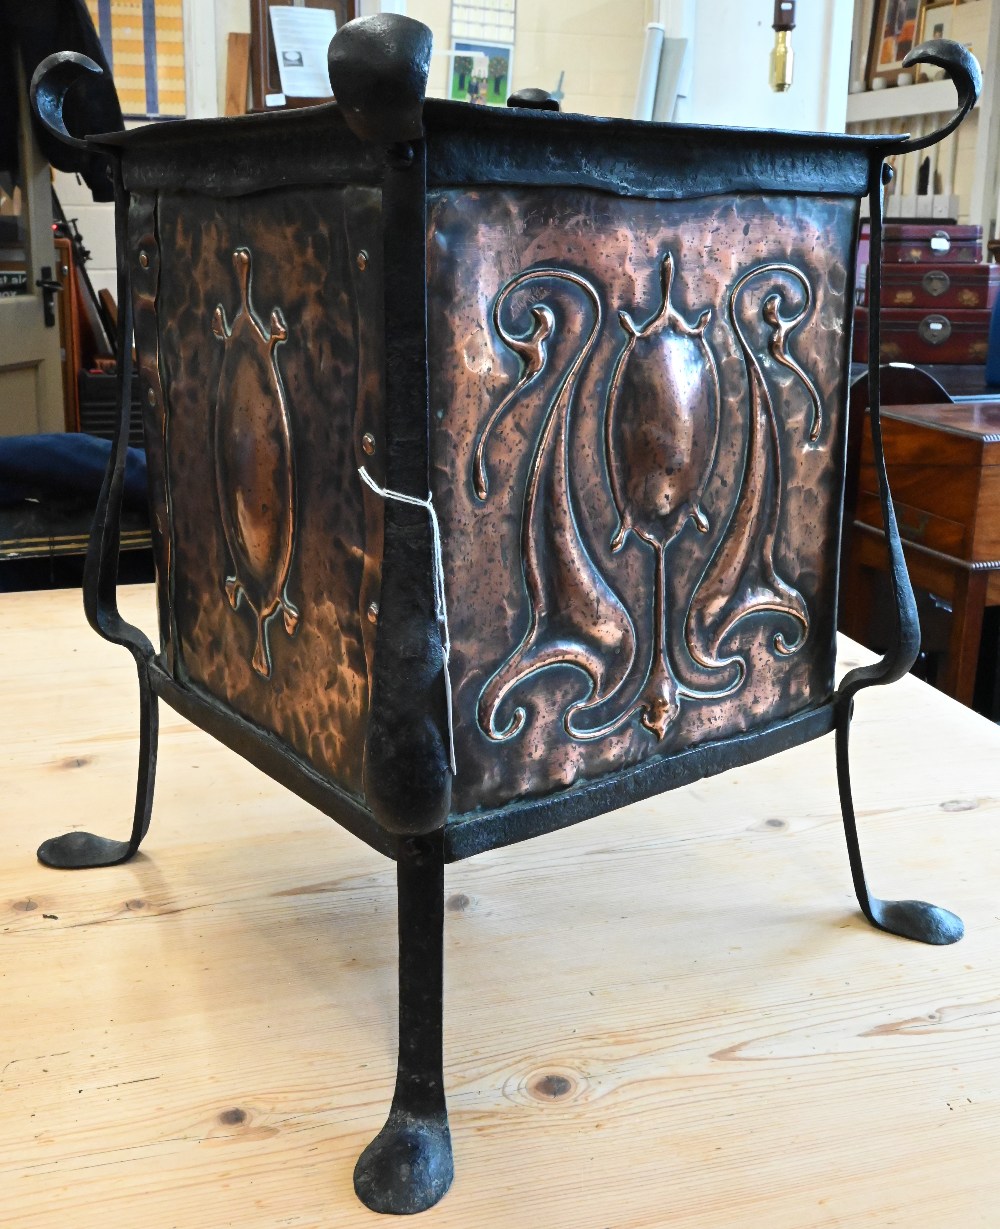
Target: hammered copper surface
{"type": "Point", "coordinates": [637, 442]}
{"type": "Point", "coordinates": [254, 464]}
{"type": "Point", "coordinates": [303, 246]}
{"type": "Point", "coordinates": [145, 277]}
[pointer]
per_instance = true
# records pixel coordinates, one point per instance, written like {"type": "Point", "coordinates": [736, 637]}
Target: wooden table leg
{"type": "Point", "coordinates": [968, 604]}
{"type": "Point", "coordinates": [857, 594]}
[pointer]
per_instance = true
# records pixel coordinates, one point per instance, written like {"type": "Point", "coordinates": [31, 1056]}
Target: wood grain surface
{"type": "Point", "coordinates": [672, 1015]}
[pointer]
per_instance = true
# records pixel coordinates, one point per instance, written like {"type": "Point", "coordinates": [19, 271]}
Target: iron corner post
{"type": "Point", "coordinates": [408, 1166]}
{"type": "Point", "coordinates": [407, 774]}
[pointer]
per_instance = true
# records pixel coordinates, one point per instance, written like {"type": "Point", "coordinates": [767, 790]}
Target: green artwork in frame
{"type": "Point", "coordinates": [480, 73]}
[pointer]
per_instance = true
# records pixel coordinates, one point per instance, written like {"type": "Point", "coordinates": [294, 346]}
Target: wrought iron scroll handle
{"type": "Point", "coordinates": [963, 71]}
{"type": "Point", "coordinates": [903, 649]}
{"type": "Point", "coordinates": [51, 81]}
{"type": "Point", "coordinates": [913, 919]}
{"type": "Point", "coordinates": [378, 69]}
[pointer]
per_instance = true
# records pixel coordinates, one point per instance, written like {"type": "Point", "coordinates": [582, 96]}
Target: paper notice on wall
{"type": "Point", "coordinates": [301, 39]}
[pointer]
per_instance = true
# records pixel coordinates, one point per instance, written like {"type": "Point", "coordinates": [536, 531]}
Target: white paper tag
{"type": "Point", "coordinates": [301, 39]}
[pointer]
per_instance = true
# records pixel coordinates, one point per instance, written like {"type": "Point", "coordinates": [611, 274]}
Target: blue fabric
{"type": "Point", "coordinates": [65, 465]}
{"type": "Point", "coordinates": [993, 353]}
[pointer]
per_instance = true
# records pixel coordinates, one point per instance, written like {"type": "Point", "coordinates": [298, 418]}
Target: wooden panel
{"type": "Point", "coordinates": [935, 575]}
{"type": "Point", "coordinates": [960, 286]}
{"type": "Point", "coordinates": [948, 491]}
{"type": "Point", "coordinates": [916, 524]}
{"type": "Point", "coordinates": [238, 74]}
{"type": "Point", "coordinates": [915, 443]}
{"type": "Point", "coordinates": [31, 403]}
{"type": "Point", "coordinates": [945, 480]}
{"type": "Point", "coordinates": [979, 420]}
{"type": "Point", "coordinates": [204, 1037]}
{"type": "Point", "coordinates": [19, 410]}
{"type": "Point", "coordinates": [965, 589]}
{"type": "Point", "coordinates": [986, 543]}
{"type": "Point", "coordinates": [70, 332]}
{"type": "Point", "coordinates": [925, 335]}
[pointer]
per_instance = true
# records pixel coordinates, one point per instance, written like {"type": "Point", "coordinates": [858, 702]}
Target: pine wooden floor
{"type": "Point", "coordinates": [669, 1016]}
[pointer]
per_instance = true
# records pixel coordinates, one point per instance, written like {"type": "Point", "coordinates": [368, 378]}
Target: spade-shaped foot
{"type": "Point", "coordinates": [407, 1167]}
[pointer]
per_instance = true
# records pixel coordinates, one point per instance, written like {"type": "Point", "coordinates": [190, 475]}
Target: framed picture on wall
{"type": "Point", "coordinates": [480, 73]}
{"type": "Point", "coordinates": [970, 26]}
{"type": "Point", "coordinates": [895, 28]}
{"type": "Point", "coordinates": [936, 20]}
{"type": "Point", "coordinates": [144, 45]}
{"type": "Point", "coordinates": [266, 89]}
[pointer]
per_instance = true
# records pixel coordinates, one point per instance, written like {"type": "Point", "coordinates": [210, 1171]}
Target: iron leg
{"type": "Point", "coordinates": [408, 1167]}
{"type": "Point", "coordinates": [912, 919]}
{"type": "Point", "coordinates": [76, 850]}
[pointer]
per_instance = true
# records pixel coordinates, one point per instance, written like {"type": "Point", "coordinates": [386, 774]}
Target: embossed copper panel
{"type": "Point", "coordinates": [637, 442]}
{"type": "Point", "coordinates": [255, 464]}
{"type": "Point", "coordinates": [262, 311]}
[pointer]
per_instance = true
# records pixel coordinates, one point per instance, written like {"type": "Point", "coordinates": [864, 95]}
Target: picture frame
{"type": "Point", "coordinates": [144, 46]}
{"type": "Point", "coordinates": [970, 26]}
{"type": "Point", "coordinates": [265, 76]}
{"type": "Point", "coordinates": [480, 72]}
{"type": "Point", "coordinates": [936, 21]}
{"type": "Point", "coordinates": [896, 25]}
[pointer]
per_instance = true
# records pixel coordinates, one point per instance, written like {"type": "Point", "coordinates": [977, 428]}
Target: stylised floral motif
{"type": "Point", "coordinates": [575, 617]}
{"type": "Point", "coordinates": [742, 579]}
{"type": "Point", "coordinates": [254, 465]}
{"type": "Point", "coordinates": [661, 434]}
{"type": "Point", "coordinates": [660, 439]}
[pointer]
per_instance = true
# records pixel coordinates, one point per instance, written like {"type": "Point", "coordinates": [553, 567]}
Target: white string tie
{"type": "Point", "coordinates": [440, 604]}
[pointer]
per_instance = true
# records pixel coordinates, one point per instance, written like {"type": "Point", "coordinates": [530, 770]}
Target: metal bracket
{"type": "Point", "coordinates": [49, 288]}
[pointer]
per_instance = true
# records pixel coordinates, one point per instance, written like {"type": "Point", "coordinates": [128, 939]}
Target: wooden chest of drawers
{"type": "Point", "coordinates": [943, 463]}
{"type": "Point", "coordinates": [923, 243]}
{"type": "Point", "coordinates": [926, 336]}
{"type": "Point", "coordinates": [944, 470]}
{"type": "Point", "coordinates": [941, 289]}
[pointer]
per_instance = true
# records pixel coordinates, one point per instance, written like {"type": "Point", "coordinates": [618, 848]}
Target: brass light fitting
{"type": "Point", "coordinates": [782, 56]}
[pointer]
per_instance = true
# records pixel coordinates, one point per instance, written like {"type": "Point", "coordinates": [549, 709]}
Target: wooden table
{"type": "Point", "coordinates": [204, 1037]}
{"type": "Point", "coordinates": [943, 463]}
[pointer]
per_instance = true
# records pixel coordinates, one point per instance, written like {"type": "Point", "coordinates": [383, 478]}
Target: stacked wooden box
{"type": "Point", "coordinates": [937, 294]}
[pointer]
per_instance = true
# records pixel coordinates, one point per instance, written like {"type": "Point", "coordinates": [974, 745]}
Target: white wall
{"type": "Point", "coordinates": [97, 226]}
{"type": "Point", "coordinates": [732, 46]}
{"type": "Point", "coordinates": [205, 28]}
{"type": "Point", "coordinates": [598, 43]}
{"type": "Point", "coordinates": [231, 17]}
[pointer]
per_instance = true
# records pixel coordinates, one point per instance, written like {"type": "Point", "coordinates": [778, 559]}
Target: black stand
{"type": "Point", "coordinates": [76, 850]}
{"type": "Point", "coordinates": [912, 919]}
{"type": "Point", "coordinates": [408, 1166]}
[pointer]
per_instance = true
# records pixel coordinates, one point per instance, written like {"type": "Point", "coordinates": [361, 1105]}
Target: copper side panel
{"type": "Point", "coordinates": [637, 417]}
{"type": "Point", "coordinates": [263, 321]}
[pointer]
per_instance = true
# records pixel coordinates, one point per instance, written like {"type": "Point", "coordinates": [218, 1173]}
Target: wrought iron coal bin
{"type": "Point", "coordinates": [497, 471]}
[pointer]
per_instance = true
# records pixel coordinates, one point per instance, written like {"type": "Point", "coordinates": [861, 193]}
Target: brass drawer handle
{"type": "Point", "coordinates": [935, 330]}
{"type": "Point", "coordinates": [936, 282]}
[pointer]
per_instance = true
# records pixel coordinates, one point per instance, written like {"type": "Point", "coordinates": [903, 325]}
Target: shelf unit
{"type": "Point", "coordinates": [927, 98]}
{"type": "Point", "coordinates": [966, 167]}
